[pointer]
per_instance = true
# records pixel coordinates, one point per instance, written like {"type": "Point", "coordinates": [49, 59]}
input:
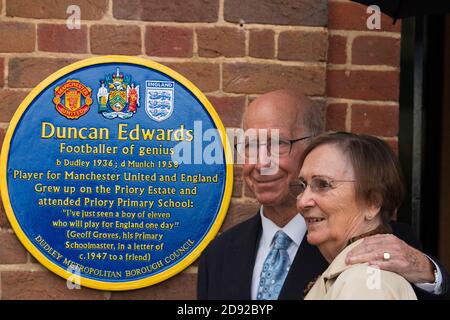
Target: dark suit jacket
{"type": "Point", "coordinates": [226, 266]}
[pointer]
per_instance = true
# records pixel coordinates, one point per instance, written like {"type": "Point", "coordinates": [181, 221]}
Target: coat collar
{"type": "Point", "coordinates": [308, 264]}
{"type": "Point", "coordinates": [338, 265]}
{"type": "Point", "coordinates": [243, 255]}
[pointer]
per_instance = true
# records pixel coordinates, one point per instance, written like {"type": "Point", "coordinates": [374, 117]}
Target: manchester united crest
{"type": "Point", "coordinates": [118, 96]}
{"type": "Point", "coordinates": [72, 99]}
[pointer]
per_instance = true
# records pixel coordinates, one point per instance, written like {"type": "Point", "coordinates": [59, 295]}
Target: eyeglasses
{"type": "Point", "coordinates": [318, 185]}
{"type": "Point", "coordinates": [252, 146]}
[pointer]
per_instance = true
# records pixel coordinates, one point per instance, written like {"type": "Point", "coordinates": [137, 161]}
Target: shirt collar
{"type": "Point", "coordinates": [295, 229]}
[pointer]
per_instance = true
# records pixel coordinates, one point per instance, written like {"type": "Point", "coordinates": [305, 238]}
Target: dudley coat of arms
{"type": "Point", "coordinates": [118, 96]}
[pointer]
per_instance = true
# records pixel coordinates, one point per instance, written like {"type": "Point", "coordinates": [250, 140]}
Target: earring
{"type": "Point", "coordinates": [369, 217]}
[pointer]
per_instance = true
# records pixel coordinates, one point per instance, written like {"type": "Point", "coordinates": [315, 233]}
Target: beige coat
{"type": "Point", "coordinates": [359, 282]}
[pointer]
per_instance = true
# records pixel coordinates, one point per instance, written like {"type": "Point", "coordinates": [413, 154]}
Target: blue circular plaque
{"type": "Point", "coordinates": [116, 173]}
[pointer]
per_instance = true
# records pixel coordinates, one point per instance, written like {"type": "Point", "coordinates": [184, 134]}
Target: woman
{"type": "Point", "coordinates": [350, 186]}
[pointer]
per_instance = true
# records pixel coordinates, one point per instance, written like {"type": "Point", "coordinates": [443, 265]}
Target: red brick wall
{"type": "Point", "coordinates": [362, 72]}
{"type": "Point", "coordinates": [232, 50]}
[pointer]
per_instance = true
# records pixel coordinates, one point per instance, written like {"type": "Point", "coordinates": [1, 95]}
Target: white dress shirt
{"type": "Point", "coordinates": [296, 230]}
{"type": "Point", "coordinates": [436, 287]}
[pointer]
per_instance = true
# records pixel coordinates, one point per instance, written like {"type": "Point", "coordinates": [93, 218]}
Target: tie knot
{"type": "Point", "coordinates": [281, 240]}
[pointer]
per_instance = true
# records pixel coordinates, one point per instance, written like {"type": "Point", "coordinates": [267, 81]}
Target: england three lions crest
{"type": "Point", "coordinates": [159, 99]}
{"type": "Point", "coordinates": [118, 96]}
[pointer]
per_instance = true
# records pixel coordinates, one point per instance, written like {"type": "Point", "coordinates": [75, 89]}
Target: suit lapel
{"type": "Point", "coordinates": [307, 265]}
{"type": "Point", "coordinates": [243, 255]}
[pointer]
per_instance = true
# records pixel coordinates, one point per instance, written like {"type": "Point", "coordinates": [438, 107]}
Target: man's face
{"type": "Point", "coordinates": [273, 189]}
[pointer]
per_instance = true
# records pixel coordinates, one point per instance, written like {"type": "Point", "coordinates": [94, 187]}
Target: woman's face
{"type": "Point", "coordinates": [330, 209]}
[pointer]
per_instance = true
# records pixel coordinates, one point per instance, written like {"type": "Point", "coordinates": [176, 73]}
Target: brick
{"type": "Point", "coordinates": [376, 120]}
{"type": "Point", "coordinates": [237, 172]}
{"type": "Point", "coordinates": [393, 144]}
{"type": "Point", "coordinates": [286, 12]}
{"type": "Point", "coordinates": [230, 109]}
{"type": "Point", "coordinates": [2, 138]}
{"type": "Point", "coordinates": [2, 72]}
{"type": "Point", "coordinates": [4, 222]}
{"type": "Point", "coordinates": [9, 102]}
{"type": "Point", "coordinates": [237, 182]}
{"type": "Point", "coordinates": [32, 258]}
{"type": "Point", "coordinates": [302, 45]}
{"type": "Point", "coordinates": [337, 50]}
{"type": "Point", "coordinates": [41, 285]}
{"type": "Point", "coordinates": [51, 9]}
{"type": "Point", "coordinates": [260, 78]}
{"type": "Point", "coordinates": [365, 85]}
{"type": "Point", "coordinates": [336, 116]}
{"type": "Point", "coordinates": [368, 50]}
{"type": "Point", "coordinates": [109, 39]}
{"type": "Point", "coordinates": [17, 37]}
{"type": "Point", "coordinates": [239, 212]}
{"type": "Point", "coordinates": [11, 250]}
{"type": "Point", "coordinates": [248, 193]}
{"type": "Point", "coordinates": [162, 10]}
{"type": "Point", "coordinates": [237, 189]}
{"type": "Point", "coordinates": [180, 287]}
{"type": "Point", "coordinates": [206, 76]}
{"type": "Point", "coordinates": [168, 41]}
{"type": "Point", "coordinates": [28, 72]}
{"type": "Point", "coordinates": [262, 44]}
{"type": "Point", "coordinates": [58, 38]}
{"type": "Point", "coordinates": [221, 41]}
{"type": "Point", "coordinates": [353, 16]}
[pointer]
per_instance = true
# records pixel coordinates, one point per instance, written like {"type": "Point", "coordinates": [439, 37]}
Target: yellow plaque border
{"type": "Point", "coordinates": [103, 285]}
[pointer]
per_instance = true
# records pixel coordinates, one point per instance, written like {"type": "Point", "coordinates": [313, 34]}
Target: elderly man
{"type": "Point", "coordinates": [267, 256]}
